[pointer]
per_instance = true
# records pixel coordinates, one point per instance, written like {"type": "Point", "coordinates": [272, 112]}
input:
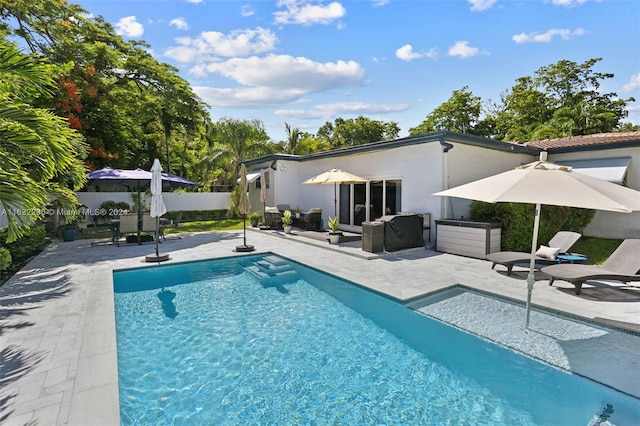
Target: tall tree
{"type": "Point", "coordinates": [562, 99]}
{"type": "Point", "coordinates": [231, 142]}
{"type": "Point", "coordinates": [40, 155]}
{"type": "Point", "coordinates": [460, 113]}
{"type": "Point", "coordinates": [344, 133]}
{"type": "Point", "coordinates": [129, 106]}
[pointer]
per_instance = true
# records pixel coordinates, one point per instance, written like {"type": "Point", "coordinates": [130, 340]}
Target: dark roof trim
{"type": "Point", "coordinates": [440, 137]}
{"type": "Point", "coordinates": [595, 147]}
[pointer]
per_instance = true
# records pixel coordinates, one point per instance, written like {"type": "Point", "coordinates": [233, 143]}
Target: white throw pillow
{"type": "Point", "coordinates": [548, 252]}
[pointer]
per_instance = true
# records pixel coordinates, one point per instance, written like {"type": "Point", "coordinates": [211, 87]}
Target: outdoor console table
{"type": "Point", "coordinates": [467, 238]}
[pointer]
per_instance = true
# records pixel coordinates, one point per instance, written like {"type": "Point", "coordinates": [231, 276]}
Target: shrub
{"type": "Point", "coordinates": [517, 221]}
{"type": "Point", "coordinates": [30, 244]}
{"type": "Point", "coordinates": [5, 258]}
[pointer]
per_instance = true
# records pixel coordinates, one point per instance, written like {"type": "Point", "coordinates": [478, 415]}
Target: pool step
{"type": "Point", "coordinates": [271, 270]}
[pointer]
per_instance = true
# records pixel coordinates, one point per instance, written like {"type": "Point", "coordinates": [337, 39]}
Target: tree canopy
{"type": "Point", "coordinates": [562, 99]}
{"type": "Point", "coordinates": [129, 107]}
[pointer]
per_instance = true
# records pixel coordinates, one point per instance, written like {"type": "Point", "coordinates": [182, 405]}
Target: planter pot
{"type": "Point", "coordinates": [297, 215]}
{"type": "Point", "coordinates": [287, 229]}
{"type": "Point", "coordinates": [69, 234]}
{"type": "Point", "coordinates": [254, 223]}
{"type": "Point", "coordinates": [334, 238]}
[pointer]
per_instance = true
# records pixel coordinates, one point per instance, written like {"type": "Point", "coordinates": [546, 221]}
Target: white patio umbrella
{"type": "Point", "coordinates": [334, 176]}
{"type": "Point", "coordinates": [540, 183]}
{"type": "Point", "coordinates": [244, 206]}
{"type": "Point", "coordinates": [157, 207]}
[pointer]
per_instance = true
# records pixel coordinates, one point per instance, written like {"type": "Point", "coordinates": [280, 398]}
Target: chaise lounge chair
{"type": "Point", "coordinates": [623, 265]}
{"type": "Point", "coordinates": [561, 242]}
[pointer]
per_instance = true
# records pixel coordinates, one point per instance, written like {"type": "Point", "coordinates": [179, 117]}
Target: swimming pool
{"type": "Point", "coordinates": [263, 340]}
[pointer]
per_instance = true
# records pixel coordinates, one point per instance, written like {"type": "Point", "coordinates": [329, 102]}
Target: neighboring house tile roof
{"type": "Point", "coordinates": [596, 141]}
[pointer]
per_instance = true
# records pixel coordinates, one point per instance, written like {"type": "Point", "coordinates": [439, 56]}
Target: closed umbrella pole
{"type": "Point", "coordinates": [157, 208]}
{"type": "Point", "coordinates": [244, 206]}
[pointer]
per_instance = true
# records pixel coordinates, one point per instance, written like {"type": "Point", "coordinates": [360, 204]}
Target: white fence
{"type": "Point", "coordinates": [174, 201]}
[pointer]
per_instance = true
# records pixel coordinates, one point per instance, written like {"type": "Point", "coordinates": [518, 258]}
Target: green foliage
{"type": "Point", "coordinates": [517, 221]}
{"type": "Point", "coordinates": [39, 153]}
{"type": "Point", "coordinates": [256, 216]}
{"type": "Point", "coordinates": [5, 258]}
{"type": "Point", "coordinates": [286, 218]}
{"type": "Point", "coordinates": [198, 215]}
{"type": "Point", "coordinates": [461, 113]}
{"type": "Point", "coordinates": [130, 107]}
{"type": "Point", "coordinates": [344, 133]}
{"type": "Point", "coordinates": [32, 242]}
{"type": "Point", "coordinates": [333, 224]}
{"type": "Point", "coordinates": [231, 142]}
{"type": "Point", "coordinates": [110, 209]}
{"type": "Point", "coordinates": [596, 249]}
{"type": "Point", "coordinates": [562, 99]}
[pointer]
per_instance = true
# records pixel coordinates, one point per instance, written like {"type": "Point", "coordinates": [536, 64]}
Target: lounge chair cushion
{"type": "Point", "coordinates": [271, 210]}
{"type": "Point", "coordinates": [315, 210]}
{"type": "Point", "coordinates": [548, 252]}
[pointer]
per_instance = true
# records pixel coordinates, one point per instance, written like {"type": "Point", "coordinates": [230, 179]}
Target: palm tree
{"type": "Point", "coordinates": [293, 137]}
{"type": "Point", "coordinates": [40, 155]}
{"type": "Point", "coordinates": [234, 141]}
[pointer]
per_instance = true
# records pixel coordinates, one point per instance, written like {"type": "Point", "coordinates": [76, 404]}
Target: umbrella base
{"type": "Point", "coordinates": [157, 258]}
{"type": "Point", "coordinates": [245, 248]}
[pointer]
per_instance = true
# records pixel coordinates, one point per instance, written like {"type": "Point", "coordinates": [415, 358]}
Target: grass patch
{"type": "Point", "coordinates": [596, 249]}
{"type": "Point", "coordinates": [207, 225]}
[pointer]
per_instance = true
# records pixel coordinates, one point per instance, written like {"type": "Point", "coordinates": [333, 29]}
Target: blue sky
{"type": "Point", "coordinates": [306, 62]}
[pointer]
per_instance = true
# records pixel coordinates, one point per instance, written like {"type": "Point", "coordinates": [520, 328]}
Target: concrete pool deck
{"type": "Point", "coordinates": [58, 327]}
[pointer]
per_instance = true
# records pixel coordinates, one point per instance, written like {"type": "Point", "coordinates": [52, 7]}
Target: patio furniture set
{"type": "Point", "coordinates": [310, 220]}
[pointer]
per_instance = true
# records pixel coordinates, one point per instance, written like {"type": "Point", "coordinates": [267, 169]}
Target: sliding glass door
{"type": "Point", "coordinates": [369, 201]}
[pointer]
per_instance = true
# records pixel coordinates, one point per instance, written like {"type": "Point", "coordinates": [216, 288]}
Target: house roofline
{"type": "Point", "coordinates": [440, 137]}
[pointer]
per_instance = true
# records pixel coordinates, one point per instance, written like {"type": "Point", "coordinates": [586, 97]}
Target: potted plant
{"type": "Point", "coordinates": [255, 218]}
{"type": "Point", "coordinates": [298, 212]}
{"type": "Point", "coordinates": [334, 234]}
{"type": "Point", "coordinates": [69, 230]}
{"type": "Point", "coordinates": [286, 221]}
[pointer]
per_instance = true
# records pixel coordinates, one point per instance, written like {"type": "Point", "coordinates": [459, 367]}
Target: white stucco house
{"type": "Point", "coordinates": [402, 174]}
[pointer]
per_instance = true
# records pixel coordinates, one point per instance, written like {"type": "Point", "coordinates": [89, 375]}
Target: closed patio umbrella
{"type": "Point", "coordinates": [542, 182]}
{"type": "Point", "coordinates": [334, 176]}
{"type": "Point", "coordinates": [157, 207]}
{"type": "Point", "coordinates": [244, 206]}
{"type": "Point", "coordinates": [263, 189]}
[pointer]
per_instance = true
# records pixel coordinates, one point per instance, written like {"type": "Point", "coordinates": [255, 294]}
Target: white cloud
{"type": "Point", "coordinates": [378, 3]}
{"type": "Point", "coordinates": [568, 3]}
{"type": "Point", "coordinates": [253, 97]}
{"type": "Point", "coordinates": [194, 1]}
{"type": "Point", "coordinates": [480, 5]}
{"type": "Point", "coordinates": [285, 72]}
{"type": "Point", "coordinates": [246, 10]}
{"type": "Point", "coordinates": [406, 53]}
{"type": "Point", "coordinates": [326, 111]}
{"type": "Point", "coordinates": [211, 44]}
{"type": "Point", "coordinates": [633, 84]}
{"type": "Point", "coordinates": [179, 23]}
{"type": "Point", "coordinates": [546, 37]}
{"type": "Point", "coordinates": [129, 27]}
{"type": "Point", "coordinates": [462, 48]}
{"type": "Point", "coordinates": [307, 12]}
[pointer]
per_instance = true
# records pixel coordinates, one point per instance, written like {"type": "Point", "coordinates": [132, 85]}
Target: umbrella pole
{"type": "Point", "coordinates": [139, 212]}
{"type": "Point", "coordinates": [244, 228]}
{"type": "Point", "coordinates": [157, 233]}
{"type": "Point", "coordinates": [531, 277]}
{"type": "Point", "coordinates": [335, 201]}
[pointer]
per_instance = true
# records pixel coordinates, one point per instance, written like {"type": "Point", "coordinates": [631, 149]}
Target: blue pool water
{"type": "Point", "coordinates": [263, 340]}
